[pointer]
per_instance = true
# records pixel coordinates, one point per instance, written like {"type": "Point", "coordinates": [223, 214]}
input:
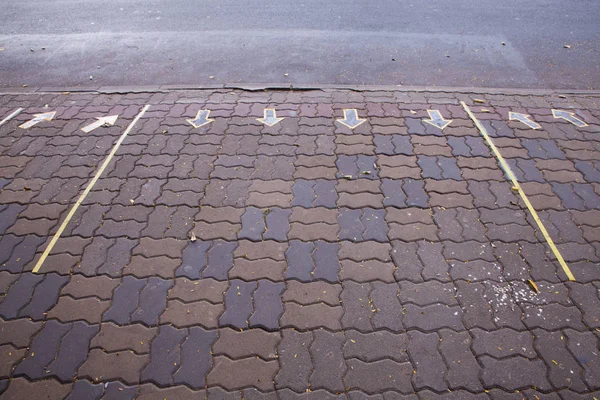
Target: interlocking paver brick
{"type": "Point", "coordinates": [165, 353]}
{"type": "Point", "coordinates": [125, 300]}
{"type": "Point", "coordinates": [514, 373]}
{"type": "Point", "coordinates": [72, 352]}
{"type": "Point", "coordinates": [44, 297]}
{"type": "Point", "coordinates": [200, 313]}
{"type": "Point", "coordinates": [328, 361]}
{"type": "Point", "coordinates": [551, 317]}
{"type": "Point", "coordinates": [253, 224]}
{"type": "Point", "coordinates": [152, 301]}
{"type": "Point", "coordinates": [410, 224]}
{"type": "Point", "coordinates": [113, 338]}
{"type": "Point", "coordinates": [237, 374]}
{"type": "Point", "coordinates": [43, 350]}
{"type": "Point", "coordinates": [430, 369]}
{"type": "Point", "coordinates": [267, 305]}
{"type": "Point", "coordinates": [311, 316]}
{"type": "Point", "coordinates": [463, 369]}
{"type": "Point", "coordinates": [379, 376]}
{"type": "Point", "coordinates": [294, 359]}
{"type": "Point", "coordinates": [426, 293]}
{"type": "Point", "coordinates": [22, 389]}
{"type": "Point", "coordinates": [358, 307]}
{"type": "Point", "coordinates": [583, 346]}
{"type": "Point", "coordinates": [220, 259]}
{"type": "Point", "coordinates": [564, 372]}
{"type": "Point", "coordinates": [376, 346]}
{"type": "Point", "coordinates": [19, 295]}
{"type": "Point", "coordinates": [238, 304]}
{"type": "Point", "coordinates": [196, 358]}
{"type": "Point", "coordinates": [434, 264]}
{"type": "Point", "coordinates": [253, 342]}
{"type": "Point", "coordinates": [124, 366]}
{"type": "Point", "coordinates": [83, 389]}
{"type": "Point", "coordinates": [312, 292]}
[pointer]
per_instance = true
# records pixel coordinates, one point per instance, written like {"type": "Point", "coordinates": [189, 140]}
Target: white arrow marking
{"type": "Point", "coordinates": [37, 118]}
{"type": "Point", "coordinates": [436, 119]}
{"type": "Point", "coordinates": [11, 116]}
{"type": "Point", "coordinates": [569, 116]}
{"type": "Point", "coordinates": [351, 119]}
{"type": "Point", "coordinates": [201, 119]}
{"type": "Point", "coordinates": [524, 118]}
{"type": "Point", "coordinates": [109, 120]}
{"type": "Point", "coordinates": [270, 117]}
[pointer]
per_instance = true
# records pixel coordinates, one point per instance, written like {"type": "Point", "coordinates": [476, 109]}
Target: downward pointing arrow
{"type": "Point", "coordinates": [109, 120]}
{"type": "Point", "coordinates": [524, 118]}
{"type": "Point", "coordinates": [37, 118]}
{"type": "Point", "coordinates": [569, 116]}
{"type": "Point", "coordinates": [351, 119]}
{"type": "Point", "coordinates": [201, 119]}
{"type": "Point", "coordinates": [270, 117]}
{"type": "Point", "coordinates": [436, 119]}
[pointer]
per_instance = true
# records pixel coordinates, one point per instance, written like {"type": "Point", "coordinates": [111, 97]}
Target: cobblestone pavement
{"type": "Point", "coordinates": [389, 261]}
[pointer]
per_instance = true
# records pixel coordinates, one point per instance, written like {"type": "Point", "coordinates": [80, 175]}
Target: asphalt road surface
{"type": "Point", "coordinates": [486, 43]}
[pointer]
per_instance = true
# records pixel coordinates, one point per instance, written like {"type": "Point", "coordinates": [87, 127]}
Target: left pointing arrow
{"type": "Point", "coordinates": [524, 118]}
{"type": "Point", "coordinates": [101, 121]}
{"type": "Point", "coordinates": [201, 119]}
{"type": "Point", "coordinates": [436, 119]}
{"type": "Point", "coordinates": [37, 118]}
{"type": "Point", "coordinates": [569, 116]}
{"type": "Point", "coordinates": [270, 117]}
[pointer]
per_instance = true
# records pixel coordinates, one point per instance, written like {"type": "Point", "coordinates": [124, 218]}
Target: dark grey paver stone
{"type": "Point", "coordinates": [73, 351]}
{"type": "Point", "coordinates": [220, 259]}
{"type": "Point", "coordinates": [125, 300]}
{"type": "Point", "coordinates": [44, 296]}
{"type": "Point", "coordinates": [253, 224]}
{"type": "Point", "coordinates": [299, 260]}
{"type": "Point", "coordinates": [278, 224]}
{"type": "Point", "coordinates": [375, 227]}
{"type": "Point", "coordinates": [153, 301]}
{"type": "Point", "coordinates": [19, 295]}
{"type": "Point", "coordinates": [267, 305]}
{"type": "Point", "coordinates": [193, 260]}
{"type": "Point", "coordinates": [83, 389]}
{"type": "Point", "coordinates": [238, 304]}
{"type": "Point", "coordinates": [327, 264]}
{"type": "Point", "coordinates": [325, 193]}
{"type": "Point", "coordinates": [303, 193]}
{"type": "Point", "coordinates": [393, 194]}
{"type": "Point", "coordinates": [351, 227]}
{"type": "Point", "coordinates": [43, 350]}
{"type": "Point", "coordinates": [328, 361]}
{"type": "Point", "coordinates": [164, 356]}
{"type": "Point", "coordinates": [196, 359]}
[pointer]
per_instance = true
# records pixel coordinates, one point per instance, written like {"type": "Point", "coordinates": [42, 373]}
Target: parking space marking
{"type": "Point", "coordinates": [87, 190]}
{"type": "Point", "coordinates": [436, 119]}
{"type": "Point", "coordinates": [11, 116]}
{"type": "Point", "coordinates": [351, 119]}
{"type": "Point", "coordinates": [37, 118]}
{"type": "Point", "coordinates": [516, 185]}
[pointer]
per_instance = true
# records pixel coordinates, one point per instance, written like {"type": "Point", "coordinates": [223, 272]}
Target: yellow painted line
{"type": "Point", "coordinates": [515, 183]}
{"type": "Point", "coordinates": [11, 116]}
{"type": "Point", "coordinates": [87, 190]}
